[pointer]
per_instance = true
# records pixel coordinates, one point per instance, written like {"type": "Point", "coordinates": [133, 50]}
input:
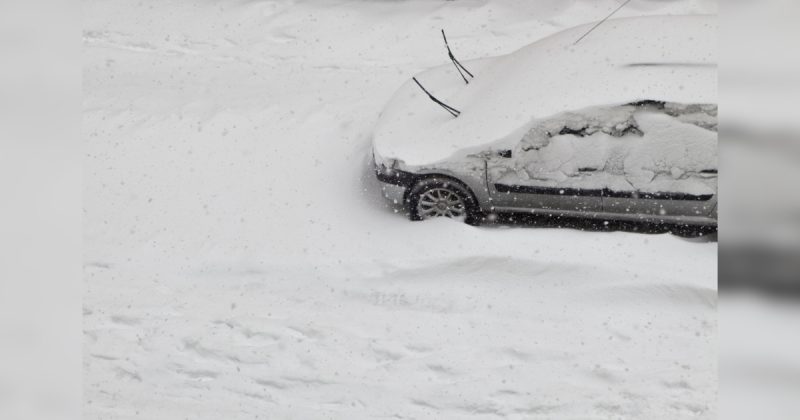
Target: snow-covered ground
{"type": "Point", "coordinates": [239, 262]}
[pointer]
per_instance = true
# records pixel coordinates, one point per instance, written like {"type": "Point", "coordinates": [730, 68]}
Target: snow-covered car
{"type": "Point", "coordinates": [621, 125]}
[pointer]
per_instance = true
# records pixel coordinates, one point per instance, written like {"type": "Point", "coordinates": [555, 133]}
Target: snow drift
{"type": "Point", "coordinates": [666, 58]}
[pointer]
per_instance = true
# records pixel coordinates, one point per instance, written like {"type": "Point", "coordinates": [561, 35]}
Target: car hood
{"type": "Point", "coordinates": [667, 58]}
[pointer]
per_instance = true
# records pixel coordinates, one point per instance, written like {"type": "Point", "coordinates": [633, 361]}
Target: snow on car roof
{"type": "Point", "coordinates": [667, 58]}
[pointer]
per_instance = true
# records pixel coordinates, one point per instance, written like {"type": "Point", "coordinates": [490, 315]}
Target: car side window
{"type": "Point", "coordinates": [643, 146]}
{"type": "Point", "coordinates": [572, 149]}
{"type": "Point", "coordinates": [678, 156]}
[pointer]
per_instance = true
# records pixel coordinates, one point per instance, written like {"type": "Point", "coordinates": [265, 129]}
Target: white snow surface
{"type": "Point", "coordinates": [239, 262]}
{"type": "Point", "coordinates": [667, 58]}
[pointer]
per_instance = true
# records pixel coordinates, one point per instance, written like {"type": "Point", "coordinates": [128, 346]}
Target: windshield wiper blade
{"type": "Point", "coordinates": [455, 61]}
{"type": "Point", "coordinates": [454, 112]}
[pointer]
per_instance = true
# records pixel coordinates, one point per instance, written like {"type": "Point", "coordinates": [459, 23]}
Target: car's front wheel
{"type": "Point", "coordinates": [434, 197]}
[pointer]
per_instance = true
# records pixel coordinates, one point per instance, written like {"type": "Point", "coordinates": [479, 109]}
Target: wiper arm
{"type": "Point", "coordinates": [455, 61]}
{"type": "Point", "coordinates": [454, 112]}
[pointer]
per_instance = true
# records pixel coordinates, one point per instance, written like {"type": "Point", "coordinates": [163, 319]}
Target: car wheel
{"type": "Point", "coordinates": [434, 197]}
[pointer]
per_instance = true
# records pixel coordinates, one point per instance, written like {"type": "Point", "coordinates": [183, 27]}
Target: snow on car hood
{"type": "Point", "coordinates": [667, 58]}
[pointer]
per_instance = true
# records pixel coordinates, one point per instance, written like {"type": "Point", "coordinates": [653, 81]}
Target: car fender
{"type": "Point", "coordinates": [471, 172]}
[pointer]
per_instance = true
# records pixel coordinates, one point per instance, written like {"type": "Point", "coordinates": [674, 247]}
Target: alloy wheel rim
{"type": "Point", "coordinates": [440, 202]}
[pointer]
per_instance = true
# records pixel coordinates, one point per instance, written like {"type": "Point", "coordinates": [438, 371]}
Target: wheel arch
{"type": "Point", "coordinates": [440, 177]}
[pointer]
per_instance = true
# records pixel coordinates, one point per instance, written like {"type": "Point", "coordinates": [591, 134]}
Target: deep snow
{"type": "Point", "coordinates": [240, 263]}
{"type": "Point", "coordinates": [624, 60]}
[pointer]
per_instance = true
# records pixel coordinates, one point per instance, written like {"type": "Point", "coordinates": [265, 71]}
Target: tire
{"type": "Point", "coordinates": [442, 197]}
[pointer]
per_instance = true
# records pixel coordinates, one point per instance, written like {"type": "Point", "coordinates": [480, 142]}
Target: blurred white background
{"type": "Point", "coordinates": [40, 227]}
{"type": "Point", "coordinates": [759, 259]}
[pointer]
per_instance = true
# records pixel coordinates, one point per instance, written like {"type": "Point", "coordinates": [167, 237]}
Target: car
{"type": "Point", "coordinates": [621, 125]}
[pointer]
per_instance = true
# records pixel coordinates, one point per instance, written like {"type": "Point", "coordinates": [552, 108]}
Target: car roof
{"type": "Point", "coordinates": [665, 58]}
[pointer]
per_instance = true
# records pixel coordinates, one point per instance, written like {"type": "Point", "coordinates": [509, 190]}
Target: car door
{"type": "Point", "coordinates": [670, 172]}
{"type": "Point", "coordinates": [546, 172]}
{"type": "Point", "coordinates": [664, 205]}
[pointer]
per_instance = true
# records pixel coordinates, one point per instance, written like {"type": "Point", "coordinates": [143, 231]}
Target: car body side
{"type": "Point", "coordinates": [472, 172]}
{"type": "Point", "coordinates": [673, 63]}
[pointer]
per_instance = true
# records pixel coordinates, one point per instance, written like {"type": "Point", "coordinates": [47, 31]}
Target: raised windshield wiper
{"type": "Point", "coordinates": [454, 112]}
{"type": "Point", "coordinates": [455, 61]}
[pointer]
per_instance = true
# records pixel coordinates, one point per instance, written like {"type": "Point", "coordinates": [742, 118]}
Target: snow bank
{"type": "Point", "coordinates": [667, 58]}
